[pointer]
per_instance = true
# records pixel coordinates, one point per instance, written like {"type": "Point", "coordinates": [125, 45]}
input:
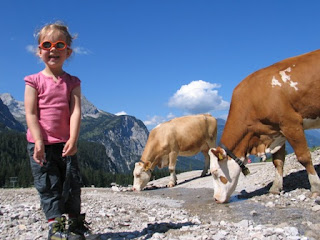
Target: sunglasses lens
{"type": "Point", "coordinates": [60, 45]}
{"type": "Point", "coordinates": [46, 44]}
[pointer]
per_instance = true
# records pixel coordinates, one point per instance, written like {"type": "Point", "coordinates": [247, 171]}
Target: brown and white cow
{"type": "Point", "coordinates": [183, 136]}
{"type": "Point", "coordinates": [279, 102]}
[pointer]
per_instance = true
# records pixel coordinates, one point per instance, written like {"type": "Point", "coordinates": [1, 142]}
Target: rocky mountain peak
{"type": "Point", "coordinates": [7, 120]}
{"type": "Point", "coordinates": [16, 107]}
{"type": "Point", "coordinates": [123, 137]}
{"type": "Point", "coordinates": [88, 109]}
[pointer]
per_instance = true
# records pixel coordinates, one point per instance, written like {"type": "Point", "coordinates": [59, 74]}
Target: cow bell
{"type": "Point", "coordinates": [245, 171]}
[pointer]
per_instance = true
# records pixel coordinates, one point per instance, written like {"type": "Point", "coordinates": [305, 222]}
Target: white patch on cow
{"type": "Point", "coordinates": [284, 75]}
{"type": "Point", "coordinates": [141, 177]}
{"type": "Point", "coordinates": [293, 85]}
{"type": "Point", "coordinates": [276, 149]}
{"type": "Point", "coordinates": [311, 123]}
{"type": "Point", "coordinates": [263, 155]}
{"type": "Point", "coordinates": [275, 146]}
{"type": "Point", "coordinates": [214, 165]}
{"type": "Point", "coordinates": [275, 82]}
{"type": "Point", "coordinates": [314, 180]}
{"type": "Point", "coordinates": [287, 79]}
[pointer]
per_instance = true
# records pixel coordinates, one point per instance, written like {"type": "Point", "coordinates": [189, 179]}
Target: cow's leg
{"type": "Point", "coordinates": [278, 162]}
{"type": "Point", "coordinates": [172, 169]}
{"type": "Point", "coordinates": [295, 136]}
{"type": "Point", "coordinates": [206, 162]}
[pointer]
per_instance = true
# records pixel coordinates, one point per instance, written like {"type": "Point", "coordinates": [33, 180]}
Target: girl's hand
{"type": "Point", "coordinates": [38, 153]}
{"type": "Point", "coordinates": [70, 149]}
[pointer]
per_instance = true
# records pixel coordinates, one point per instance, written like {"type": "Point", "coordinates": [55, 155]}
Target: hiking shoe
{"type": "Point", "coordinates": [57, 229]}
{"type": "Point", "coordinates": [78, 228]}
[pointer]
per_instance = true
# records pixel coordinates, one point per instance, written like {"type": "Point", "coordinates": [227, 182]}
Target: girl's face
{"type": "Point", "coordinates": [53, 57]}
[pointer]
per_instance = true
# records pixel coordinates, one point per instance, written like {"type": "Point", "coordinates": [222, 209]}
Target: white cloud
{"type": "Point", "coordinates": [198, 97]}
{"type": "Point", "coordinates": [121, 113]}
{"type": "Point", "coordinates": [223, 116]}
{"type": "Point", "coordinates": [32, 49]}
{"type": "Point", "coordinates": [170, 116]}
{"type": "Point", "coordinates": [81, 51]}
{"type": "Point", "coordinates": [156, 120]}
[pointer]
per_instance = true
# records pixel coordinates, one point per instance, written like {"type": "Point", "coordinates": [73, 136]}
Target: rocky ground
{"type": "Point", "coordinates": [186, 211]}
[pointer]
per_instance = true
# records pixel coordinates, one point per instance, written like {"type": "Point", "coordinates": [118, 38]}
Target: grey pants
{"type": "Point", "coordinates": [58, 181]}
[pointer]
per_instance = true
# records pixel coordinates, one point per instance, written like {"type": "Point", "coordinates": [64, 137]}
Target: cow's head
{"type": "Point", "coordinates": [141, 175]}
{"type": "Point", "coordinates": [225, 174]}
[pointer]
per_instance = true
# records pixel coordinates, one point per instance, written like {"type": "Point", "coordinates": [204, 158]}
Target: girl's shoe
{"type": "Point", "coordinates": [57, 229]}
{"type": "Point", "coordinates": [78, 228]}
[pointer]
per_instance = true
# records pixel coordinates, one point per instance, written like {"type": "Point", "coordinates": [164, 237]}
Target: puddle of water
{"type": "Point", "coordinates": [200, 202]}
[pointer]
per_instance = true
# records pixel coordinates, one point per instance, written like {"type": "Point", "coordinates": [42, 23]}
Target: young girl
{"type": "Point", "coordinates": [53, 114]}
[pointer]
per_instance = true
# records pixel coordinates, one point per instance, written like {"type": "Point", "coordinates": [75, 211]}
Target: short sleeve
{"type": "Point", "coordinates": [75, 82]}
{"type": "Point", "coordinates": [29, 80]}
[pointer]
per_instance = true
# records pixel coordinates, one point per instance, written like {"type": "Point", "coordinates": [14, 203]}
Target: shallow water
{"type": "Point", "coordinates": [200, 203]}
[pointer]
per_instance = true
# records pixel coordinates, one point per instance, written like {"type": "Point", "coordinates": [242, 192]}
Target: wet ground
{"type": "Point", "coordinates": [259, 206]}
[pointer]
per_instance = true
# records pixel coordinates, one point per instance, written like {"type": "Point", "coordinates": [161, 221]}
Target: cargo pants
{"type": "Point", "coordinates": [58, 181]}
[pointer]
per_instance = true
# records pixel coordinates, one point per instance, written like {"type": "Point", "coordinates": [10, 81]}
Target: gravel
{"type": "Point", "coordinates": [186, 211]}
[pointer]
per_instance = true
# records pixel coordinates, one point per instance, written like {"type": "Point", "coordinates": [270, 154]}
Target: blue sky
{"type": "Point", "coordinates": [154, 59]}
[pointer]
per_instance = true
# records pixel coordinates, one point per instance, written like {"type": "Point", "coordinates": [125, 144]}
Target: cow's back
{"type": "Point", "coordinates": [184, 134]}
{"type": "Point", "coordinates": [189, 133]}
{"type": "Point", "coordinates": [293, 82]}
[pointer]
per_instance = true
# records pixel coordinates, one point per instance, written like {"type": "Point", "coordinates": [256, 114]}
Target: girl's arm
{"type": "Point", "coordinates": [70, 147]}
{"type": "Point", "coordinates": [31, 108]}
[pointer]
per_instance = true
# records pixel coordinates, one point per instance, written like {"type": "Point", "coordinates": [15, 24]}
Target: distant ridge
{"type": "Point", "coordinates": [123, 137]}
{"type": "Point", "coordinates": [7, 121]}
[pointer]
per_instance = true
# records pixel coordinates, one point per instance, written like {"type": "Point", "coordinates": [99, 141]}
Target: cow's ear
{"type": "Point", "coordinates": [147, 166]}
{"type": "Point", "coordinates": [219, 153]}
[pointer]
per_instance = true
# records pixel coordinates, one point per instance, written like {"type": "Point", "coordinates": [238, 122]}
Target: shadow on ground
{"type": "Point", "coordinates": [147, 232]}
{"type": "Point", "coordinates": [291, 182]}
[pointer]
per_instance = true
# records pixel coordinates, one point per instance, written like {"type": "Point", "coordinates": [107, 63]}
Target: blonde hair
{"type": "Point", "coordinates": [55, 26]}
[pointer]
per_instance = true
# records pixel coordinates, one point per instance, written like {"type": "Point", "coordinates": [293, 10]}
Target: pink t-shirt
{"type": "Point", "coordinates": [53, 105]}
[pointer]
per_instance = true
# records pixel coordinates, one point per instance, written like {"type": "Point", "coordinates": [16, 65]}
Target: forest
{"type": "Point", "coordinates": [94, 164]}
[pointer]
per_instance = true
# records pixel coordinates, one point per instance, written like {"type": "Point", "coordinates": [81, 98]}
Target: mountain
{"type": "Point", "coordinates": [16, 108]}
{"type": "Point", "coordinates": [89, 110]}
{"type": "Point", "coordinates": [123, 137]}
{"type": "Point", "coordinates": [7, 121]}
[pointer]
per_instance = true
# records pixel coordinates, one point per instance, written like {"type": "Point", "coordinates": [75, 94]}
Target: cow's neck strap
{"type": "Point", "coordinates": [244, 169]}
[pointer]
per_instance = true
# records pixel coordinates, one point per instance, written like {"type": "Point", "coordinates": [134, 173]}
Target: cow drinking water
{"type": "Point", "coordinates": [183, 136]}
{"type": "Point", "coordinates": [279, 102]}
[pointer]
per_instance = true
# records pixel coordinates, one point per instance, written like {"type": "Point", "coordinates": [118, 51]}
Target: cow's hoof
{"type": "Point", "coordinates": [171, 184]}
{"type": "Point", "coordinates": [275, 190]}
